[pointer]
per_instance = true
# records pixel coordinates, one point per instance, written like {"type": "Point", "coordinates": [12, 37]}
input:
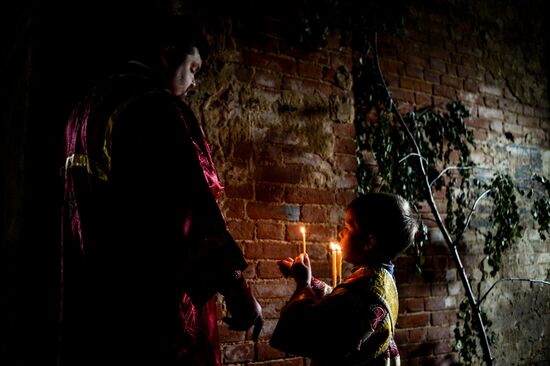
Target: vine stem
{"type": "Point", "coordinates": [484, 340]}
{"type": "Point", "coordinates": [472, 210]}
{"type": "Point", "coordinates": [512, 279]}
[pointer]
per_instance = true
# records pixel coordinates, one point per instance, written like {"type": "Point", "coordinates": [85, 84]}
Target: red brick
{"type": "Point", "coordinates": [445, 91]}
{"type": "Point", "coordinates": [266, 210]}
{"type": "Point", "coordinates": [443, 347]}
{"type": "Point", "coordinates": [238, 353]}
{"type": "Point", "coordinates": [239, 191]}
{"type": "Point", "coordinates": [416, 350]}
{"type": "Point", "coordinates": [226, 335]}
{"type": "Point", "coordinates": [274, 288]}
{"type": "Point", "coordinates": [279, 174]}
{"type": "Point", "coordinates": [346, 162]}
{"type": "Point", "coordinates": [435, 304]}
{"type": "Point", "coordinates": [344, 197]}
{"type": "Point", "coordinates": [344, 145]}
{"type": "Point", "coordinates": [401, 95]}
{"type": "Point", "coordinates": [422, 99]}
{"type": "Point", "coordinates": [414, 320]}
{"type": "Point", "coordinates": [305, 86]}
{"type": "Point", "coordinates": [393, 66]}
{"type": "Point", "coordinates": [266, 352]}
{"type": "Point", "coordinates": [269, 230]}
{"type": "Point", "coordinates": [416, 85]}
{"type": "Point", "coordinates": [271, 308]}
{"type": "Point", "coordinates": [270, 62]}
{"type": "Point", "coordinates": [309, 195]}
{"type": "Point", "coordinates": [315, 232]}
{"type": "Point", "coordinates": [417, 335]}
{"type": "Point", "coordinates": [310, 70]}
{"type": "Point", "coordinates": [438, 65]}
{"type": "Point", "coordinates": [340, 59]}
{"type": "Point", "coordinates": [311, 213]}
{"type": "Point", "coordinates": [412, 305]}
{"type": "Point", "coordinates": [344, 129]}
{"type": "Point", "coordinates": [267, 79]}
{"type": "Point", "coordinates": [416, 290]}
{"type": "Point", "coordinates": [266, 249]}
{"type": "Point", "coordinates": [451, 81]}
{"type": "Point", "coordinates": [443, 317]}
{"type": "Point", "coordinates": [269, 192]}
{"type": "Point", "coordinates": [268, 269]}
{"type": "Point", "coordinates": [439, 333]}
{"type": "Point", "coordinates": [241, 230]}
{"type": "Point", "coordinates": [233, 208]}
{"type": "Point", "coordinates": [414, 71]}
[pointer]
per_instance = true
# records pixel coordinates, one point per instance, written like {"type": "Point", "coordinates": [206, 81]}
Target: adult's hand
{"type": "Point", "coordinates": [245, 311]}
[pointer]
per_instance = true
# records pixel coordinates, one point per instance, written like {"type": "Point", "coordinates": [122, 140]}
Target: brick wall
{"type": "Point", "coordinates": [280, 121]}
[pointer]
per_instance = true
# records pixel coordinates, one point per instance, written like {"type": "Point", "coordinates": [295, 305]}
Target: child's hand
{"type": "Point", "coordinates": [285, 265]}
{"type": "Point", "coordinates": [301, 271]}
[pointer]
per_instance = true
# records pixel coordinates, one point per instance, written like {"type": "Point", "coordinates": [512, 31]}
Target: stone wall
{"type": "Point", "coordinates": [280, 120]}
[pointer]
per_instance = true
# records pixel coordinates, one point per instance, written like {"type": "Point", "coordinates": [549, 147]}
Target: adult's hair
{"type": "Point", "coordinates": [387, 217]}
{"type": "Point", "coordinates": [174, 35]}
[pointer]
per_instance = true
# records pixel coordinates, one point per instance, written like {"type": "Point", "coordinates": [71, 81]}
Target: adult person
{"type": "Point", "coordinates": [145, 248]}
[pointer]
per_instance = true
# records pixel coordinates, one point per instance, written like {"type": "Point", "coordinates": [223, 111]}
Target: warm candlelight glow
{"type": "Point", "coordinates": [303, 230]}
{"type": "Point", "coordinates": [336, 256]}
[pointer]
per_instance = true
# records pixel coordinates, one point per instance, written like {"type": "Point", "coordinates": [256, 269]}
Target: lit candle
{"type": "Point", "coordinates": [303, 230]}
{"type": "Point", "coordinates": [334, 255]}
{"type": "Point", "coordinates": [339, 264]}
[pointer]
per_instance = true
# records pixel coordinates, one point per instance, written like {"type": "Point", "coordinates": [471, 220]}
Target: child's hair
{"type": "Point", "coordinates": [387, 217]}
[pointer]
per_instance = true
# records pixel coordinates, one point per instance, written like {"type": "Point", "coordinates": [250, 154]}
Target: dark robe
{"type": "Point", "coordinates": [145, 247]}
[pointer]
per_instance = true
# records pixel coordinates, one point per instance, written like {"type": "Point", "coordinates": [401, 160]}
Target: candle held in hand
{"type": "Point", "coordinates": [303, 230]}
{"type": "Point", "coordinates": [336, 256]}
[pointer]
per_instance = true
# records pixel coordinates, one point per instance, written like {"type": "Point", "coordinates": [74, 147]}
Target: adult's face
{"type": "Point", "coordinates": [184, 76]}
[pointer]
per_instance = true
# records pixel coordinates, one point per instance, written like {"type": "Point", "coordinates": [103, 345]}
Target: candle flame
{"type": "Point", "coordinates": [334, 246]}
{"type": "Point", "coordinates": [303, 230]}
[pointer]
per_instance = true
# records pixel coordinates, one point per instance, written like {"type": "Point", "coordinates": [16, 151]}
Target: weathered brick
{"type": "Point", "coordinates": [241, 229]}
{"type": "Point", "coordinates": [309, 195]}
{"type": "Point", "coordinates": [414, 84]}
{"type": "Point", "coordinates": [438, 333]}
{"type": "Point", "coordinates": [344, 145]}
{"type": "Point", "coordinates": [267, 79]}
{"type": "Point", "coordinates": [270, 62]}
{"type": "Point", "coordinates": [243, 191]}
{"type": "Point", "coordinates": [233, 208]}
{"type": "Point", "coordinates": [238, 353]}
{"type": "Point", "coordinates": [268, 269]}
{"type": "Point", "coordinates": [446, 317]}
{"type": "Point", "coordinates": [270, 230]}
{"type": "Point", "coordinates": [279, 174]}
{"type": "Point", "coordinates": [413, 320]}
{"type": "Point", "coordinates": [269, 192]}
{"type": "Point", "coordinates": [416, 290]}
{"type": "Point", "coordinates": [311, 70]}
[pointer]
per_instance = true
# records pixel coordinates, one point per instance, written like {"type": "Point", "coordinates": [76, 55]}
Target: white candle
{"type": "Point", "coordinates": [303, 230]}
{"type": "Point", "coordinates": [339, 264]}
{"type": "Point", "coordinates": [334, 259]}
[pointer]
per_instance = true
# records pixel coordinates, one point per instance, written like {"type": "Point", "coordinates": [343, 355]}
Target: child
{"type": "Point", "coordinates": [354, 323]}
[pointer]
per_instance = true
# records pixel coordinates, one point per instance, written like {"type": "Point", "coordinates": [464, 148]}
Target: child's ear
{"type": "Point", "coordinates": [370, 243]}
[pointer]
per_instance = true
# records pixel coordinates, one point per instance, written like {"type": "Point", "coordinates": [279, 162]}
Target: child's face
{"type": "Point", "coordinates": [353, 246]}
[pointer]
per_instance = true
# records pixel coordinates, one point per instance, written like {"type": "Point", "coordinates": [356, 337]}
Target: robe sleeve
{"type": "Point", "coordinates": [164, 203]}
